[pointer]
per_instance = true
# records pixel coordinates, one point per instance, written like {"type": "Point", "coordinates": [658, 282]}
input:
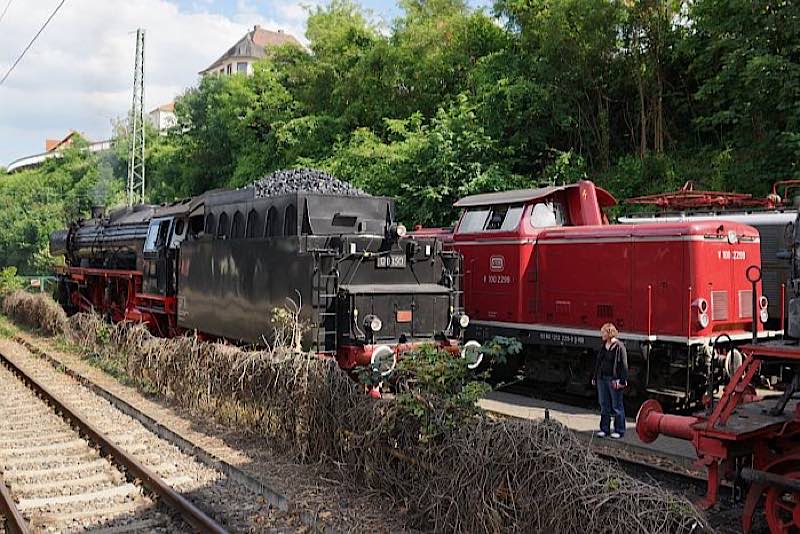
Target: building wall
{"type": "Point", "coordinates": [234, 65]}
{"type": "Point", "coordinates": [162, 119]}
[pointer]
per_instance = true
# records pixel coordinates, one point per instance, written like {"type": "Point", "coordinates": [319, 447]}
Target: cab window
{"type": "Point", "coordinates": [547, 214]}
{"type": "Point", "coordinates": [473, 220]}
{"type": "Point", "coordinates": [494, 219]}
{"type": "Point", "coordinates": [157, 235]}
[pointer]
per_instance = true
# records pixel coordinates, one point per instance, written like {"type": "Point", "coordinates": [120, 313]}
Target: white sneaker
{"type": "Point", "coordinates": [616, 435]}
{"type": "Point", "coordinates": [601, 434]}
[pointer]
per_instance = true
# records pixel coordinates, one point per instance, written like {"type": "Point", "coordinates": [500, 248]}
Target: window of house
{"type": "Point", "coordinates": [222, 227]}
{"type": "Point", "coordinates": [230, 68]}
{"type": "Point", "coordinates": [237, 232]}
{"type": "Point", "coordinates": [241, 67]}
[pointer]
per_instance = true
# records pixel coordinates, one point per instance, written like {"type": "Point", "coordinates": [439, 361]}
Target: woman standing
{"type": "Point", "coordinates": [611, 377]}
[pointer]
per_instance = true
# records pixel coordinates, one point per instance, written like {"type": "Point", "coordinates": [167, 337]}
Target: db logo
{"type": "Point", "coordinates": [497, 263]}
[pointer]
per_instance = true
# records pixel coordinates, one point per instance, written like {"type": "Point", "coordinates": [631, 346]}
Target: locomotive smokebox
{"type": "Point", "coordinates": [98, 211]}
{"type": "Point", "coordinates": [58, 242]}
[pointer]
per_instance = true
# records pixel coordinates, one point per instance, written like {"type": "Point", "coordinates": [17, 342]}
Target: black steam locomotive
{"type": "Point", "coordinates": [221, 262]}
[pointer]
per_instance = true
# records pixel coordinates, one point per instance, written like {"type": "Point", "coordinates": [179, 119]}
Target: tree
{"type": "Point", "coordinates": [747, 58]}
{"type": "Point", "coordinates": [426, 164]}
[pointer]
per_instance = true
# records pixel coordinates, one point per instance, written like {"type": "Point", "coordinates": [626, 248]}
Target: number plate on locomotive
{"type": "Point", "coordinates": [392, 261]}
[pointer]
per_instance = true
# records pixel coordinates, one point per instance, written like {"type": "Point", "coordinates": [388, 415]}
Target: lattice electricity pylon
{"type": "Point", "coordinates": [136, 128]}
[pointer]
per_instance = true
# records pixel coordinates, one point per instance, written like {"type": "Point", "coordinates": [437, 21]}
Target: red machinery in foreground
{"type": "Point", "coordinates": [744, 438]}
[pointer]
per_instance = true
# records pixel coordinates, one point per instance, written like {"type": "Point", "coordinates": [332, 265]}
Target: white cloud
{"type": "Point", "coordinates": [79, 73]}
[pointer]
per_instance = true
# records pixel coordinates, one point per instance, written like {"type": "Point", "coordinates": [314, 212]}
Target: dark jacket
{"type": "Point", "coordinates": [612, 362]}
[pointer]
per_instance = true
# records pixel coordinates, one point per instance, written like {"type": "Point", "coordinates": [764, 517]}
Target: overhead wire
{"type": "Point", "coordinates": [3, 14]}
{"type": "Point", "coordinates": [53, 14]}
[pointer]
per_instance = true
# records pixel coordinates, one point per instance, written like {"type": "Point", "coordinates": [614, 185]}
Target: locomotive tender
{"type": "Point", "coordinates": [219, 263]}
{"type": "Point", "coordinates": [544, 266]}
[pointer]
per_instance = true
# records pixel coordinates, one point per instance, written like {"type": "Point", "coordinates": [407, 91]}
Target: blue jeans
{"type": "Point", "coordinates": [610, 404]}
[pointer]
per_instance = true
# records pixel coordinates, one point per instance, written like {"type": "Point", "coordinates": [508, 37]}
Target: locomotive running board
{"type": "Point", "coordinates": [593, 333]}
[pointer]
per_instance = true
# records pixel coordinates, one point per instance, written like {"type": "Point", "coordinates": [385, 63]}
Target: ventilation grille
{"type": "Point", "coordinates": [605, 310]}
{"type": "Point", "coordinates": [746, 304]}
{"type": "Point", "coordinates": [563, 307]}
{"type": "Point", "coordinates": [719, 305]}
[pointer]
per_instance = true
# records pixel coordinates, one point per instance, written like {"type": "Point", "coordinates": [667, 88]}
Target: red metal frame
{"type": "Point", "coordinates": [118, 293]}
{"type": "Point", "coordinates": [733, 435]}
{"type": "Point", "coordinates": [687, 197]}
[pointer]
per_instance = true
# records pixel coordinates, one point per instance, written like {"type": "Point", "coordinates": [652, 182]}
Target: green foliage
{"type": "Point", "coordinates": [35, 202]}
{"type": "Point", "coordinates": [438, 389]}
{"type": "Point", "coordinates": [9, 281]}
{"type": "Point", "coordinates": [427, 164]}
{"type": "Point", "coordinates": [500, 348]}
{"type": "Point", "coordinates": [446, 101]}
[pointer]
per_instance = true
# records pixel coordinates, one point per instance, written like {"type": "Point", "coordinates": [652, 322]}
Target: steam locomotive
{"type": "Point", "coordinates": [221, 262]}
{"type": "Point", "coordinates": [545, 267]}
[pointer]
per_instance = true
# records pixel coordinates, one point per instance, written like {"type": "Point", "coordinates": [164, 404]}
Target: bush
{"type": "Point", "coordinates": [447, 463]}
{"type": "Point", "coordinates": [451, 466]}
{"type": "Point", "coordinates": [38, 311]}
{"type": "Point", "coordinates": [9, 281]}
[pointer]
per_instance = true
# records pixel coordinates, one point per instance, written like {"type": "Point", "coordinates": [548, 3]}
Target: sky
{"type": "Point", "coordinates": [78, 75]}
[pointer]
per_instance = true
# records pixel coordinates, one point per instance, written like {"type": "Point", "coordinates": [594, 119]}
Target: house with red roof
{"type": "Point", "coordinates": [240, 57]}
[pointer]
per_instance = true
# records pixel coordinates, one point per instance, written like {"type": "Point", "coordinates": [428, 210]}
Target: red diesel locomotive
{"type": "Point", "coordinates": [545, 267]}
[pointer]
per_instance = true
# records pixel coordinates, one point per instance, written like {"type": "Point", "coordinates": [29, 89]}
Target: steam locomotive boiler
{"type": "Point", "coordinates": [221, 262]}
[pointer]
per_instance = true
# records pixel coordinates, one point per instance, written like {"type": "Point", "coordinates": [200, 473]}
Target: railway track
{"type": "Point", "coordinates": [69, 461]}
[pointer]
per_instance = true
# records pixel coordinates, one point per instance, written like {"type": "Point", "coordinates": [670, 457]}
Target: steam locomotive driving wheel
{"type": "Point", "coordinates": [782, 506]}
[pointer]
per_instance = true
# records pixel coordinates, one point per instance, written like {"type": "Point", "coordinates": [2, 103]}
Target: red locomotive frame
{"type": "Point", "coordinates": [117, 293]}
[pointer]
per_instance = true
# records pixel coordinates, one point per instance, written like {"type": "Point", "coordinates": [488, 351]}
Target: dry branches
{"type": "Point", "coordinates": [484, 476]}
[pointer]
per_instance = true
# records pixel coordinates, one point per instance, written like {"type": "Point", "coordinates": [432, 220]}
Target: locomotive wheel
{"type": "Point", "coordinates": [782, 507]}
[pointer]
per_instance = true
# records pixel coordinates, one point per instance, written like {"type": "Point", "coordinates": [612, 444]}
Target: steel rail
{"type": "Point", "coordinates": [15, 523]}
{"type": "Point", "coordinates": [190, 513]}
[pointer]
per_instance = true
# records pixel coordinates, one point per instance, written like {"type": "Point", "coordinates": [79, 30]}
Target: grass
{"type": "Point", "coordinates": [7, 328]}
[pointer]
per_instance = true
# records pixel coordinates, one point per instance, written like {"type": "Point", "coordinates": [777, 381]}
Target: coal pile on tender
{"type": "Point", "coordinates": [303, 180]}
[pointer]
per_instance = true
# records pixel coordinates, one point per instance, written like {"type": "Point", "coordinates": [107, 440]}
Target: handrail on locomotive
{"type": "Point", "coordinates": [744, 438]}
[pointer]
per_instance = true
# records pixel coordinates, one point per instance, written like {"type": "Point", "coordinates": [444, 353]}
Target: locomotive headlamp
{"type": "Point", "coordinates": [373, 322]}
{"type": "Point", "coordinates": [701, 304]}
{"type": "Point", "coordinates": [397, 231]}
{"type": "Point", "coordinates": [763, 313]}
{"type": "Point", "coordinates": [701, 307]}
{"type": "Point", "coordinates": [463, 320]}
{"type": "Point", "coordinates": [383, 360]}
{"type": "Point", "coordinates": [472, 353]}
